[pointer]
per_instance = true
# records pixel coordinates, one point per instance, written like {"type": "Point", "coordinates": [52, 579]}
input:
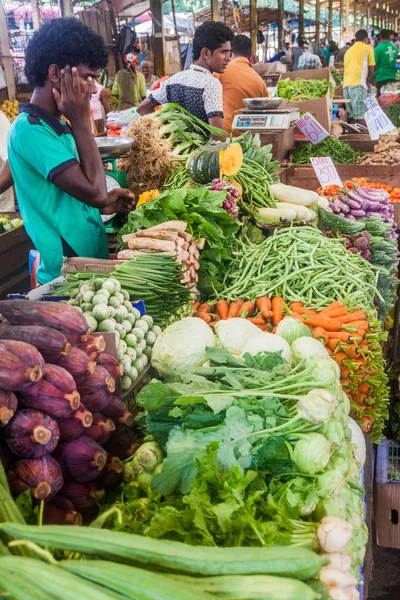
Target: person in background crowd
{"type": "Point", "coordinates": [359, 66]}
{"type": "Point", "coordinates": [330, 51]}
{"type": "Point", "coordinates": [385, 55]}
{"type": "Point", "coordinates": [129, 84]}
{"type": "Point", "coordinates": [239, 80]}
{"type": "Point", "coordinates": [288, 51]}
{"type": "Point", "coordinates": [342, 51]}
{"type": "Point", "coordinates": [149, 77]}
{"type": "Point", "coordinates": [309, 61]}
{"type": "Point", "coordinates": [297, 52]}
{"type": "Point", "coordinates": [196, 89]}
{"type": "Point", "coordinates": [277, 57]}
{"type": "Point", "coordinates": [100, 106]}
{"type": "Point", "coordinates": [56, 167]}
{"type": "Point", "coordinates": [394, 38]}
{"type": "Point", "coordinates": [6, 193]}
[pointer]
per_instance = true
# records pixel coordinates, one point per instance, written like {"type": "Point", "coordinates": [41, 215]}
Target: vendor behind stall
{"type": "Point", "coordinates": [358, 72]}
{"type": "Point", "coordinates": [385, 55]}
{"type": "Point", "coordinates": [196, 89]}
{"type": "Point", "coordinates": [56, 167]}
{"type": "Point", "coordinates": [240, 80]}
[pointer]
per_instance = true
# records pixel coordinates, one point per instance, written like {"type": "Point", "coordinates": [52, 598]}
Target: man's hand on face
{"type": "Point", "coordinates": [120, 201]}
{"type": "Point", "coordinates": [73, 100]}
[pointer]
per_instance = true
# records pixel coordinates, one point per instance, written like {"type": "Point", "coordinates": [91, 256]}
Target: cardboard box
{"type": "Point", "coordinates": [275, 68]}
{"type": "Point", "coordinates": [387, 514]}
{"type": "Point", "coordinates": [320, 108]}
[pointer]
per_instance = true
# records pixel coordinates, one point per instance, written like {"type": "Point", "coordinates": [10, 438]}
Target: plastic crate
{"type": "Point", "coordinates": [388, 462]}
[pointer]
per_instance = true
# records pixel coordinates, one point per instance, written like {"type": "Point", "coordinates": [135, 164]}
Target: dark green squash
{"type": "Point", "coordinates": [214, 161]}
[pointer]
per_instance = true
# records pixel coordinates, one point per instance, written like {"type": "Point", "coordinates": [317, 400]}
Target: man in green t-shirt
{"type": "Point", "coordinates": [385, 57]}
{"type": "Point", "coordinates": [56, 167]}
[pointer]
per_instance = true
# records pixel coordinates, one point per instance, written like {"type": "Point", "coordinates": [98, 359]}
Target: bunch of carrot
{"type": "Point", "coordinates": [345, 335]}
{"type": "Point", "coordinates": [265, 312]}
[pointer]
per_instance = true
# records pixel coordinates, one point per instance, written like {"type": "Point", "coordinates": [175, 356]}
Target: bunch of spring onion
{"type": "Point", "coordinates": [300, 264]}
{"type": "Point", "coordinates": [183, 130]}
{"type": "Point", "coordinates": [155, 279]}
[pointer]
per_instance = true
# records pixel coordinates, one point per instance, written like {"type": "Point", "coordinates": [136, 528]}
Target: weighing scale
{"type": "Point", "coordinates": [112, 148]}
{"type": "Point", "coordinates": [265, 119]}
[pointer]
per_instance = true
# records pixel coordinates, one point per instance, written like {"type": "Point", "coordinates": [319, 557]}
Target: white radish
{"type": "Point", "coordinates": [294, 195]}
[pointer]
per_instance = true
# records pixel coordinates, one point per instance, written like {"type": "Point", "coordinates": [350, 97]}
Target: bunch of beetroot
{"type": "Point", "coordinates": [64, 433]}
{"type": "Point", "coordinates": [232, 196]}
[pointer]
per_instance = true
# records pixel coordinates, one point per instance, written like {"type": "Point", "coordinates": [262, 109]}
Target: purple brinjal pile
{"type": "Point", "coordinates": [64, 433]}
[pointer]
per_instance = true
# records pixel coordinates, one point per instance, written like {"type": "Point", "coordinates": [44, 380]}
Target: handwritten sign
{"type": "Point", "coordinates": [310, 127]}
{"type": "Point", "coordinates": [371, 102]}
{"type": "Point", "coordinates": [377, 121]}
{"type": "Point", "coordinates": [325, 170]}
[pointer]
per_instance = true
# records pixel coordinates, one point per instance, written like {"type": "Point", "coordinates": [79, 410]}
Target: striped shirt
{"type": "Point", "coordinates": [196, 89]}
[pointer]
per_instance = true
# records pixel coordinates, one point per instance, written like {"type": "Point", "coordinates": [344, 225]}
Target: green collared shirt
{"type": "Point", "coordinates": [39, 147]}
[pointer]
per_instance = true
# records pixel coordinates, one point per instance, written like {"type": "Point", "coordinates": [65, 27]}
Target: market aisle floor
{"type": "Point", "coordinates": [385, 584]}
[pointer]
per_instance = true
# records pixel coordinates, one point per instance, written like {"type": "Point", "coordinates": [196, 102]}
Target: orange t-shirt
{"type": "Point", "coordinates": [239, 80]}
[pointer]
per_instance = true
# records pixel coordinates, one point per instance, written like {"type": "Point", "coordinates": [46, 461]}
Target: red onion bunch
{"type": "Point", "coordinates": [232, 196]}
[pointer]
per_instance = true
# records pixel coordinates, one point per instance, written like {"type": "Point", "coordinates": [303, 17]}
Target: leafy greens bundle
{"type": "Point", "coordinates": [202, 210]}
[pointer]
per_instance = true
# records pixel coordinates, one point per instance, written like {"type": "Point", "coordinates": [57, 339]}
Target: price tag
{"type": "Point", "coordinates": [377, 122]}
{"type": "Point", "coordinates": [325, 170]}
{"type": "Point", "coordinates": [310, 127]}
{"type": "Point", "coordinates": [371, 102]}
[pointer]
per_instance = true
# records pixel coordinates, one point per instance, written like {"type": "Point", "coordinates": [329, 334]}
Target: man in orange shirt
{"type": "Point", "coordinates": [239, 80]}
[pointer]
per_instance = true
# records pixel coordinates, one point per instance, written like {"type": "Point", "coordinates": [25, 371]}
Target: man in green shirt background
{"type": "Point", "coordinates": [56, 167]}
{"type": "Point", "coordinates": [385, 57]}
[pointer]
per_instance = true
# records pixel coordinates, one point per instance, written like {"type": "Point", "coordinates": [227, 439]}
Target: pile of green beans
{"type": "Point", "coordinates": [178, 178]}
{"type": "Point", "coordinates": [255, 180]}
{"type": "Point", "coordinates": [300, 264]}
{"type": "Point", "coordinates": [340, 152]}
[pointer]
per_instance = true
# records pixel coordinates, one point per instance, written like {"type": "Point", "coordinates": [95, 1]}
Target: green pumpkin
{"type": "Point", "coordinates": [214, 161]}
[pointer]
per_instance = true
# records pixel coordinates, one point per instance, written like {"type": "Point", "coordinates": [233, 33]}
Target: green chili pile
{"type": "Point", "coordinates": [300, 263]}
{"type": "Point", "coordinates": [340, 153]}
{"type": "Point", "coordinates": [297, 90]}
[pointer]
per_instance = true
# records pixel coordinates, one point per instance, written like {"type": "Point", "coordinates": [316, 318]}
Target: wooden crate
{"type": "Point", "coordinates": [14, 258]}
{"type": "Point", "coordinates": [303, 176]}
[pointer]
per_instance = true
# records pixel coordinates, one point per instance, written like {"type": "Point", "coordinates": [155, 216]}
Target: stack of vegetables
{"type": "Point", "coordinates": [377, 243]}
{"type": "Point", "coordinates": [106, 308]}
{"type": "Point", "coordinates": [340, 152]}
{"type": "Point", "coordinates": [297, 90]}
{"type": "Point", "coordinates": [299, 264]}
{"type": "Point", "coordinates": [386, 152]}
{"type": "Point", "coordinates": [206, 218]}
{"type": "Point", "coordinates": [58, 408]}
{"type": "Point", "coordinates": [88, 562]}
{"type": "Point", "coordinates": [153, 278]}
{"type": "Point", "coordinates": [259, 448]}
{"type": "Point", "coordinates": [353, 340]}
{"type": "Point", "coordinates": [171, 238]}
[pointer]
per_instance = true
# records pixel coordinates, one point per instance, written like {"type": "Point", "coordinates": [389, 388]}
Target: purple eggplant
{"type": "Point", "coordinates": [43, 476]}
{"type": "Point", "coordinates": [358, 213]}
{"type": "Point", "coordinates": [61, 511]}
{"type": "Point", "coordinates": [75, 424]}
{"type": "Point", "coordinates": [82, 496]}
{"type": "Point", "coordinates": [32, 434]}
{"type": "Point", "coordinates": [81, 460]}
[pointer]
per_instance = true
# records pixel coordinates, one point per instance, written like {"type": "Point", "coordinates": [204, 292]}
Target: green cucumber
{"type": "Point", "coordinates": [286, 561]}
{"type": "Point", "coordinates": [133, 582]}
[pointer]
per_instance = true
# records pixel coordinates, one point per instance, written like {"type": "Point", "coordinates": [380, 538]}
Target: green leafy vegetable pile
{"type": "Point", "coordinates": [393, 112]}
{"type": "Point", "coordinates": [385, 257]}
{"type": "Point", "coordinates": [257, 453]}
{"type": "Point", "coordinates": [340, 152]}
{"type": "Point", "coordinates": [297, 90]}
{"type": "Point", "coordinates": [202, 210]}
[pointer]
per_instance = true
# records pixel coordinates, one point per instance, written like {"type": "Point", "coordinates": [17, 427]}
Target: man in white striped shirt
{"type": "Point", "coordinates": [196, 89]}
